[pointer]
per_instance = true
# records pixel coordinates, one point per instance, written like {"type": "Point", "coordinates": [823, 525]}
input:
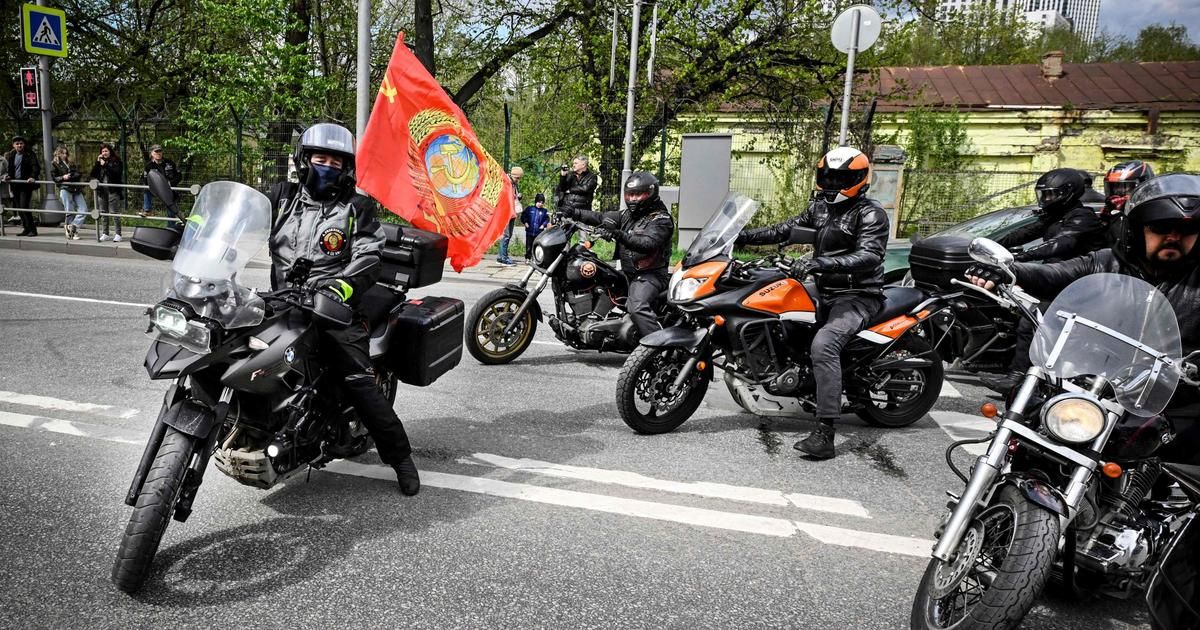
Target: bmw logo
{"type": "Point", "coordinates": [289, 355]}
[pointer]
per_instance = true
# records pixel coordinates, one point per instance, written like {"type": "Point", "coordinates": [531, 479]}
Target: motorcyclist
{"type": "Point", "coordinates": [1158, 245]}
{"type": "Point", "coordinates": [321, 219]}
{"type": "Point", "coordinates": [852, 234]}
{"type": "Point", "coordinates": [643, 234]}
{"type": "Point", "coordinates": [1067, 229]}
{"type": "Point", "coordinates": [1119, 182]}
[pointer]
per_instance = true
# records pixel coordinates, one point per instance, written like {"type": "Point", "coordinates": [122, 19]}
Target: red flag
{"type": "Point", "coordinates": [421, 160]}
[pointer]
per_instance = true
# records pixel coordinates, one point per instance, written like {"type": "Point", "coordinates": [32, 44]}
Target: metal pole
{"type": "Point", "coordinates": [507, 135]}
{"type": "Point", "coordinates": [48, 200]}
{"type": "Point", "coordinates": [364, 68]}
{"type": "Point", "coordinates": [627, 162]}
{"type": "Point", "coordinates": [849, 87]}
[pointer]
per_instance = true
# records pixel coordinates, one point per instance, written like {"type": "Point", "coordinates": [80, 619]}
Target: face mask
{"type": "Point", "coordinates": [321, 178]}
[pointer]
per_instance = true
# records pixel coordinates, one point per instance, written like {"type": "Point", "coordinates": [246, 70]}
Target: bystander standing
{"type": "Point", "coordinates": [108, 170]}
{"type": "Point", "coordinates": [70, 190]}
{"type": "Point", "coordinates": [22, 170]}
{"type": "Point", "coordinates": [156, 162]}
{"type": "Point", "coordinates": [515, 175]}
{"type": "Point", "coordinates": [535, 218]}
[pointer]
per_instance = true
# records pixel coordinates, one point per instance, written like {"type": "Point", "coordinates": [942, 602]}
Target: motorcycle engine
{"type": "Point", "coordinates": [593, 303]}
{"type": "Point", "coordinates": [1123, 540]}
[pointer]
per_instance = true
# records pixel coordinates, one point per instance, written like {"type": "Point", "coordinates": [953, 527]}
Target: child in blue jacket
{"type": "Point", "coordinates": [535, 218]}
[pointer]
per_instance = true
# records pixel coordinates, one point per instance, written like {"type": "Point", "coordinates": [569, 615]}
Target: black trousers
{"type": "Point", "coordinates": [846, 316]}
{"type": "Point", "coordinates": [22, 197]}
{"type": "Point", "coordinates": [644, 290]}
{"type": "Point", "coordinates": [347, 352]}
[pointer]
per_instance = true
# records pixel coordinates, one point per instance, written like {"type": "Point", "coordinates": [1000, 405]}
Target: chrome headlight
{"type": "Point", "coordinates": [539, 254]}
{"type": "Point", "coordinates": [174, 327]}
{"type": "Point", "coordinates": [1073, 419]}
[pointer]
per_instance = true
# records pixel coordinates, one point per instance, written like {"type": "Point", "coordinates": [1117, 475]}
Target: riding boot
{"type": "Point", "coordinates": [385, 427]}
{"type": "Point", "coordinates": [1003, 383]}
{"type": "Point", "coordinates": [819, 443]}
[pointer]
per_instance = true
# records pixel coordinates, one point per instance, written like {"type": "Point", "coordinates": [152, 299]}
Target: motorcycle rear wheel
{"type": "Point", "coordinates": [487, 321]}
{"type": "Point", "coordinates": [647, 378]}
{"type": "Point", "coordinates": [152, 512]}
{"type": "Point", "coordinates": [896, 409]}
{"type": "Point", "coordinates": [1008, 572]}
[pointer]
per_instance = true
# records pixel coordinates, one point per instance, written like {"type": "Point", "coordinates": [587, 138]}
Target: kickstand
{"type": "Point", "coordinates": [308, 474]}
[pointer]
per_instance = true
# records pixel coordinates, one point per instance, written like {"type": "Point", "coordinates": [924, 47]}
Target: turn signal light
{"type": "Point", "coordinates": [989, 410]}
{"type": "Point", "coordinates": [1112, 470]}
{"type": "Point", "coordinates": [702, 366]}
{"type": "Point", "coordinates": [718, 320]}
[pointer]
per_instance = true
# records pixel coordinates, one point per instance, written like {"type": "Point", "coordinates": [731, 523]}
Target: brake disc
{"type": "Point", "coordinates": [949, 575]}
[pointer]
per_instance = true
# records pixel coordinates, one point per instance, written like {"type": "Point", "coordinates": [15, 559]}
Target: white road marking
{"type": "Point", "coordinates": [733, 521]}
{"type": "Point", "coordinates": [949, 391]}
{"type": "Point", "coordinates": [72, 299]}
{"type": "Point", "coordinates": [698, 488]}
{"type": "Point", "coordinates": [548, 343]}
{"type": "Point", "coordinates": [65, 427]}
{"type": "Point", "coordinates": [962, 426]}
{"type": "Point", "coordinates": [747, 523]}
{"type": "Point", "coordinates": [58, 404]}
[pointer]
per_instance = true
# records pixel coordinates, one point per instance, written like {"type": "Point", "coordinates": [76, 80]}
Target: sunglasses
{"type": "Point", "coordinates": [1183, 228]}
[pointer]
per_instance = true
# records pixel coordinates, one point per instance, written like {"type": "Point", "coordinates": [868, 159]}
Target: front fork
{"type": "Point", "coordinates": [700, 351]}
{"type": "Point", "coordinates": [533, 295]}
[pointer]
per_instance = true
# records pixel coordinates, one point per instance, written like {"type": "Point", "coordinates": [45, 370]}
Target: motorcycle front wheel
{"type": "Point", "coordinates": [646, 397]}
{"type": "Point", "coordinates": [999, 570]}
{"type": "Point", "coordinates": [489, 318]}
{"type": "Point", "coordinates": [152, 512]}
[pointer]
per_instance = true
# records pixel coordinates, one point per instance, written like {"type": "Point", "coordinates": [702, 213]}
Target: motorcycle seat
{"type": "Point", "coordinates": [898, 301]}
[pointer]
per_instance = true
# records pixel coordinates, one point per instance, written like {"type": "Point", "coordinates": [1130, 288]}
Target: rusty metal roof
{"type": "Point", "coordinates": [1150, 85]}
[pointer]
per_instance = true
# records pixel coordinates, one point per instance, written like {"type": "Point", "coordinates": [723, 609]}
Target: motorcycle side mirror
{"type": "Point", "coordinates": [331, 311]}
{"type": "Point", "coordinates": [991, 253]}
{"type": "Point", "coordinates": [155, 242]}
{"type": "Point", "coordinates": [161, 188]}
{"type": "Point", "coordinates": [802, 236]}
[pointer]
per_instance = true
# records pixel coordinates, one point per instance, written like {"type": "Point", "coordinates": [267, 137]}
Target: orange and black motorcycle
{"type": "Point", "coordinates": [756, 323]}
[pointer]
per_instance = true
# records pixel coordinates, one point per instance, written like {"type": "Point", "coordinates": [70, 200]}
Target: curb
{"type": "Point", "coordinates": [121, 250]}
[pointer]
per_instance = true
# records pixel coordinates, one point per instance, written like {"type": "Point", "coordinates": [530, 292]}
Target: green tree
{"type": "Point", "coordinates": [1158, 43]}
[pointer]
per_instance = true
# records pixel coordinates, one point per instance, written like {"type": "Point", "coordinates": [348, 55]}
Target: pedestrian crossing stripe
{"type": "Point", "coordinates": [44, 30]}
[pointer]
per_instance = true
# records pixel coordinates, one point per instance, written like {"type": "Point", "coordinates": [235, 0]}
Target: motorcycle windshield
{"type": "Point", "coordinates": [718, 235]}
{"type": "Point", "coordinates": [1118, 327]}
{"type": "Point", "coordinates": [229, 224]}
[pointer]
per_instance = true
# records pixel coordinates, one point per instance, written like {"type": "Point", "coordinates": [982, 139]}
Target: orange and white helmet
{"type": "Point", "coordinates": [842, 174]}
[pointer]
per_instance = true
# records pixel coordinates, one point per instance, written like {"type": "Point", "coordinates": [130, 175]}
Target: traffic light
{"type": "Point", "coordinates": [31, 93]}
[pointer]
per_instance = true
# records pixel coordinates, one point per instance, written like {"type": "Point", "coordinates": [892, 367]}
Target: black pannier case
{"type": "Point", "coordinates": [426, 339]}
{"type": "Point", "coordinates": [936, 260]}
{"type": "Point", "coordinates": [412, 258]}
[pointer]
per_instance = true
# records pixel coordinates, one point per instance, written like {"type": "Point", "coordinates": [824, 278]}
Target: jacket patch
{"type": "Point", "coordinates": [333, 241]}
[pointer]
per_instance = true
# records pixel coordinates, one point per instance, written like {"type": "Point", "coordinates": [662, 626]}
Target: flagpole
{"type": "Point", "coordinates": [363, 109]}
{"type": "Point", "coordinates": [627, 163]}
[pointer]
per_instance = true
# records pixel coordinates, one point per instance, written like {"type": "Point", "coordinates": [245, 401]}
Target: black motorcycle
{"type": "Point", "coordinates": [589, 301]}
{"type": "Point", "coordinates": [1071, 484]}
{"type": "Point", "coordinates": [248, 387]}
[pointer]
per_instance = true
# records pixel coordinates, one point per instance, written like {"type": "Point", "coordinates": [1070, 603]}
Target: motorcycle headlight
{"type": "Point", "coordinates": [539, 254]}
{"type": "Point", "coordinates": [686, 289]}
{"type": "Point", "coordinates": [174, 327]}
{"type": "Point", "coordinates": [1073, 419]}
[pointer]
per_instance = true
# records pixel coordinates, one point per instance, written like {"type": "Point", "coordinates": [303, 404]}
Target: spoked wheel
{"type": "Point", "coordinates": [997, 573]}
{"type": "Point", "coordinates": [899, 397]}
{"type": "Point", "coordinates": [486, 340]}
{"type": "Point", "coordinates": [647, 399]}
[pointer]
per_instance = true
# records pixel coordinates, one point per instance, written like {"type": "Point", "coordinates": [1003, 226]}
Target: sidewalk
{"type": "Point", "coordinates": [53, 240]}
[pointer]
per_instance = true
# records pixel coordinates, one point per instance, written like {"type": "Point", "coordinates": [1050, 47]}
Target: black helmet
{"type": "Point", "coordinates": [1121, 180]}
{"type": "Point", "coordinates": [843, 174]}
{"type": "Point", "coordinates": [1059, 190]}
{"type": "Point", "coordinates": [329, 139]}
{"type": "Point", "coordinates": [641, 192]}
{"type": "Point", "coordinates": [1170, 199]}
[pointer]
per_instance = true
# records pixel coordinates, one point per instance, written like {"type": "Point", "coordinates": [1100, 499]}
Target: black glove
{"type": "Point", "coordinates": [568, 212]}
{"type": "Point", "coordinates": [804, 267]}
{"type": "Point", "coordinates": [988, 273]}
{"type": "Point", "coordinates": [611, 224]}
{"type": "Point", "coordinates": [336, 287]}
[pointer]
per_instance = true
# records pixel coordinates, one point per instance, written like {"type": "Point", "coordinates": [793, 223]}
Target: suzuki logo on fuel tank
{"type": "Point", "coordinates": [771, 287]}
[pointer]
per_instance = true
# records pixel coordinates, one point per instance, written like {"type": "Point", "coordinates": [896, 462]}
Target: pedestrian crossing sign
{"type": "Point", "coordinates": [45, 30]}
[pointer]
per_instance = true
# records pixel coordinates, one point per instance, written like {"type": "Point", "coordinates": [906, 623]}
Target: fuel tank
{"type": "Point", "coordinates": [290, 339]}
{"type": "Point", "coordinates": [787, 298]}
{"type": "Point", "coordinates": [585, 270]}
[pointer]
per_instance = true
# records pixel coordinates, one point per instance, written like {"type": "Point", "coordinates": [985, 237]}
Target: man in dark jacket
{"type": "Point", "coordinates": [852, 234]}
{"type": "Point", "coordinates": [156, 162]}
{"type": "Point", "coordinates": [1068, 229]}
{"type": "Point", "coordinates": [576, 186]}
{"type": "Point", "coordinates": [23, 169]}
{"type": "Point", "coordinates": [322, 221]}
{"type": "Point", "coordinates": [643, 234]}
{"type": "Point", "coordinates": [1162, 223]}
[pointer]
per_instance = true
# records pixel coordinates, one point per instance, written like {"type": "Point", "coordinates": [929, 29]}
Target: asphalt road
{"type": "Point", "coordinates": [541, 509]}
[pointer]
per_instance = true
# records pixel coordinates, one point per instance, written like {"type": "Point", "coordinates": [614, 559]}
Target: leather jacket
{"type": "Point", "coordinates": [577, 191]}
{"type": "Point", "coordinates": [1072, 233]}
{"type": "Point", "coordinates": [340, 236]}
{"type": "Point", "coordinates": [851, 240]}
{"type": "Point", "coordinates": [643, 240]}
{"type": "Point", "coordinates": [1046, 280]}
